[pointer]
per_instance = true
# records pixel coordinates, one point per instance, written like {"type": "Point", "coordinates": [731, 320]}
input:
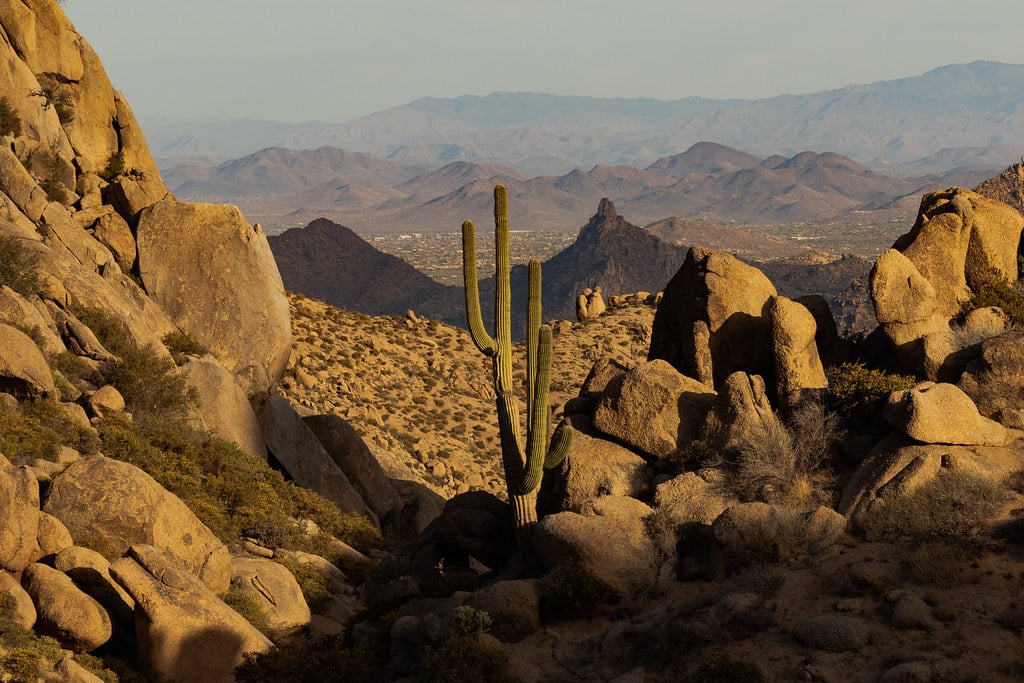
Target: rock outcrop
{"type": "Point", "coordinates": [185, 632]}
{"type": "Point", "coordinates": [102, 498]}
{"type": "Point", "coordinates": [216, 277]}
{"type": "Point", "coordinates": [731, 299]}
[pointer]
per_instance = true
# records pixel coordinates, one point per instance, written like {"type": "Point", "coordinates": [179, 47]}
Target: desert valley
{"type": "Point", "coordinates": [510, 388]}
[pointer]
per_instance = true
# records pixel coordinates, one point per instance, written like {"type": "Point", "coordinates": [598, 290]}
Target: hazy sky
{"type": "Point", "coordinates": [335, 60]}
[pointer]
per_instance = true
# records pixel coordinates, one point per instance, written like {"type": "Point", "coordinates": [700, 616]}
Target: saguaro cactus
{"type": "Point", "coordinates": [524, 463]}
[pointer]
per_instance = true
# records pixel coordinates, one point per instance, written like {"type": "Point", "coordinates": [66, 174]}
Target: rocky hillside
{"type": "Point", "coordinates": [1007, 187]}
{"type": "Point", "coordinates": [329, 262]}
{"type": "Point", "coordinates": [188, 495]}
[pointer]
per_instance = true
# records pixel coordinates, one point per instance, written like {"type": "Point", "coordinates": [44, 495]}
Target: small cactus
{"type": "Point", "coordinates": [524, 463]}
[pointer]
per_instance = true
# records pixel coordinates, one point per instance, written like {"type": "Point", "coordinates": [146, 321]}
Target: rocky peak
{"type": "Point", "coordinates": [1007, 187]}
{"type": "Point", "coordinates": [606, 209]}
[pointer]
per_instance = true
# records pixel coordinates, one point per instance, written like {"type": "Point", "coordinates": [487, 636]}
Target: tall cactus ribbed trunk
{"type": "Point", "coordinates": [524, 463]}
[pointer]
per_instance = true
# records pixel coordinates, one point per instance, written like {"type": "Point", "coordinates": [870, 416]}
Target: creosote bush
{"type": "Point", "coordinates": [182, 343]}
{"type": "Point", "coordinates": [115, 167]}
{"type": "Point", "coordinates": [232, 492]}
{"type": "Point", "coordinates": [38, 429]}
{"type": "Point", "coordinates": [247, 606]}
{"type": "Point", "coordinates": [308, 661]}
{"type": "Point", "coordinates": [570, 591]}
{"type": "Point", "coordinates": [18, 266]}
{"type": "Point", "coordinates": [10, 122]}
{"type": "Point", "coordinates": [854, 387]}
{"type": "Point", "coordinates": [464, 659]}
{"type": "Point", "coordinates": [1000, 294]}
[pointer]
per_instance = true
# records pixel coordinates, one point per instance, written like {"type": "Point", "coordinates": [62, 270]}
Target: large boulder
{"type": "Point", "coordinates": [348, 450]}
{"type": "Point", "coordinates": [906, 306]}
{"type": "Point", "coordinates": [275, 590]}
{"type": "Point", "coordinates": [217, 278]}
{"type": "Point", "coordinates": [185, 632]}
{"type": "Point", "coordinates": [692, 497]}
{"type": "Point", "coordinates": [942, 413]}
{"type": "Point", "coordinates": [514, 608]}
{"type": "Point", "coordinates": [19, 516]}
{"type": "Point", "coordinates": [654, 408]}
{"type": "Point", "coordinates": [24, 613]}
{"type": "Point", "coordinates": [291, 442]}
{"type": "Point", "coordinates": [996, 380]}
{"type": "Point", "coordinates": [16, 310]}
{"type": "Point", "coordinates": [77, 621]}
{"type": "Point", "coordinates": [937, 246]}
{"type": "Point", "coordinates": [609, 542]}
{"type": "Point", "coordinates": [102, 498]}
{"type": "Point", "coordinates": [898, 466]}
{"type": "Point", "coordinates": [23, 369]}
{"type": "Point", "coordinates": [799, 374]}
{"type": "Point", "coordinates": [91, 573]}
{"type": "Point", "coordinates": [593, 467]}
{"type": "Point", "coordinates": [727, 295]}
{"type": "Point", "coordinates": [221, 406]}
{"type": "Point", "coordinates": [740, 408]}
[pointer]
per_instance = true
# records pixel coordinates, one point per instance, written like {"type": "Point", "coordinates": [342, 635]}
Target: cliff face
{"type": "Point", "coordinates": [84, 202]}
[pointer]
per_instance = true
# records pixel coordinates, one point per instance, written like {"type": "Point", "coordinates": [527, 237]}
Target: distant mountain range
{"type": "Point", "coordinates": [329, 262]}
{"type": "Point", "coordinates": [283, 188]}
{"type": "Point", "coordinates": [949, 117]}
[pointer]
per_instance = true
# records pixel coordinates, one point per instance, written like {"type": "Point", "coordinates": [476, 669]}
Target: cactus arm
{"type": "Point", "coordinates": [483, 341]}
{"type": "Point", "coordinates": [533, 309]}
{"type": "Point", "coordinates": [560, 443]}
{"type": "Point", "coordinates": [537, 437]}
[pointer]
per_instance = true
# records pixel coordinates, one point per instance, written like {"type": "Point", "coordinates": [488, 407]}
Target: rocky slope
{"type": "Point", "coordinates": [164, 507]}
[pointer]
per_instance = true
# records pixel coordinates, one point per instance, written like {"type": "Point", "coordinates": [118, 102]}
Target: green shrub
{"type": "Point", "coordinates": [231, 491]}
{"type": "Point", "coordinates": [1000, 294]}
{"type": "Point", "coordinates": [312, 582]}
{"type": "Point", "coordinates": [724, 669]}
{"type": "Point", "coordinates": [153, 390]}
{"type": "Point", "coordinates": [572, 591]}
{"type": "Point", "coordinates": [179, 342]}
{"type": "Point", "coordinates": [10, 122]}
{"type": "Point", "coordinates": [464, 659]}
{"type": "Point", "coordinates": [38, 430]}
{"type": "Point", "coordinates": [115, 167]}
{"type": "Point", "coordinates": [250, 608]}
{"type": "Point", "coordinates": [18, 266]}
{"type": "Point", "coordinates": [304, 661]}
{"type": "Point", "coordinates": [853, 386]}
{"type": "Point", "coordinates": [955, 506]}
{"type": "Point", "coordinates": [55, 192]}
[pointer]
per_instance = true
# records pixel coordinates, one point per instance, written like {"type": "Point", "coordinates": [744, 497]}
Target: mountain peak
{"type": "Point", "coordinates": [606, 209]}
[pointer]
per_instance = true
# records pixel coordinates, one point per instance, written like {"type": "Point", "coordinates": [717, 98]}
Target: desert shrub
{"type": "Point", "coordinates": [97, 667]}
{"type": "Point", "coordinates": [955, 505]}
{"type": "Point", "coordinates": [312, 582]}
{"type": "Point", "coordinates": [179, 342]}
{"type": "Point", "coordinates": [115, 167]}
{"type": "Point", "coordinates": [23, 439]}
{"type": "Point", "coordinates": [10, 122]}
{"type": "Point", "coordinates": [55, 192]}
{"type": "Point", "coordinates": [305, 661]}
{"type": "Point", "coordinates": [21, 650]}
{"type": "Point", "coordinates": [724, 669]}
{"type": "Point", "coordinates": [153, 390]}
{"type": "Point", "coordinates": [150, 384]}
{"type": "Point", "coordinates": [779, 464]}
{"type": "Point", "coordinates": [464, 659]}
{"type": "Point", "coordinates": [73, 367]}
{"type": "Point", "coordinates": [250, 608]}
{"type": "Point", "coordinates": [52, 415]}
{"type": "Point", "coordinates": [18, 266]}
{"type": "Point", "coordinates": [1000, 294]}
{"type": "Point", "coordinates": [853, 386]}
{"type": "Point", "coordinates": [231, 491]}
{"type": "Point", "coordinates": [572, 591]}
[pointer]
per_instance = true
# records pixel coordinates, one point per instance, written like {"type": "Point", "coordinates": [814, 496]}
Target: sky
{"type": "Point", "coordinates": [337, 60]}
